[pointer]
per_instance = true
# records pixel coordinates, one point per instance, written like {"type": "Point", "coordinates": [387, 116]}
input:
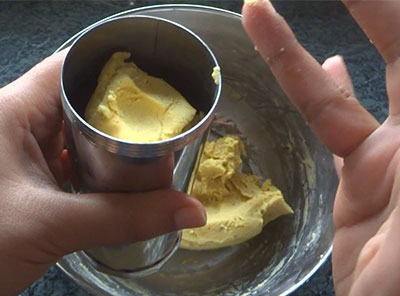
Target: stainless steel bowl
{"type": "Point", "coordinates": [280, 146]}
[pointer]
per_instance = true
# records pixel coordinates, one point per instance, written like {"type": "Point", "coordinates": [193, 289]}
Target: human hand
{"type": "Point", "coordinates": [39, 223]}
{"type": "Point", "coordinates": [366, 251]}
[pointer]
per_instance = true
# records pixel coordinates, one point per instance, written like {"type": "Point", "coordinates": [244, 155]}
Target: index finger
{"type": "Point", "coordinates": [39, 92]}
{"type": "Point", "coordinates": [333, 113]}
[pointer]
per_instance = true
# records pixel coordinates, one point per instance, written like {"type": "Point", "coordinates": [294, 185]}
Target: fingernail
{"type": "Point", "coordinates": [332, 60]}
{"type": "Point", "coordinates": [190, 217]}
{"type": "Point", "coordinates": [336, 58]}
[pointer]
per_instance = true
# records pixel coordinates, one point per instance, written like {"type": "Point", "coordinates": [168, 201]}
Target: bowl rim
{"type": "Point", "coordinates": [60, 264]}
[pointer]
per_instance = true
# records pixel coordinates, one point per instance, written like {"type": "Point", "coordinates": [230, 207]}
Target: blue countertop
{"type": "Point", "coordinates": [31, 30]}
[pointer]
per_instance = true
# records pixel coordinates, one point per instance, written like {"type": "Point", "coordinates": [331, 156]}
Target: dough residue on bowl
{"type": "Point", "coordinates": [238, 205]}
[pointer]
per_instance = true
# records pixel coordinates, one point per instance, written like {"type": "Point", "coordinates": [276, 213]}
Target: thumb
{"type": "Point", "coordinates": [99, 219]}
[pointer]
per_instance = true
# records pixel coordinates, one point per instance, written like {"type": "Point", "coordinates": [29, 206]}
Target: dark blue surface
{"type": "Point", "coordinates": [29, 31]}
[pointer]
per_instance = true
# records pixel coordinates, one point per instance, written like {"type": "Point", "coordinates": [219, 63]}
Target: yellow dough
{"type": "Point", "coordinates": [131, 105]}
{"type": "Point", "coordinates": [238, 205]}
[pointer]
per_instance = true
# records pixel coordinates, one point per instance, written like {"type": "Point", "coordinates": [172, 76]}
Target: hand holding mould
{"type": "Point", "coordinates": [39, 222]}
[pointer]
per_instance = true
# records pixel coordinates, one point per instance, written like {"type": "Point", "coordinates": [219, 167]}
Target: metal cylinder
{"type": "Point", "coordinates": [102, 163]}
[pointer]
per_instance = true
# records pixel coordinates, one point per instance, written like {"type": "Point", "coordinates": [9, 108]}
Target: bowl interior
{"type": "Point", "coordinates": [279, 146]}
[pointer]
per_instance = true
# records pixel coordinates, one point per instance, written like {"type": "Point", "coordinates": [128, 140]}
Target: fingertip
{"type": "Point", "coordinates": [252, 9]}
{"type": "Point", "coordinates": [251, 2]}
{"type": "Point", "coordinates": [335, 66]}
{"type": "Point", "coordinates": [191, 214]}
{"type": "Point", "coordinates": [268, 30]}
{"type": "Point", "coordinates": [334, 61]}
{"type": "Point", "coordinates": [262, 3]}
{"type": "Point", "coordinates": [190, 217]}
